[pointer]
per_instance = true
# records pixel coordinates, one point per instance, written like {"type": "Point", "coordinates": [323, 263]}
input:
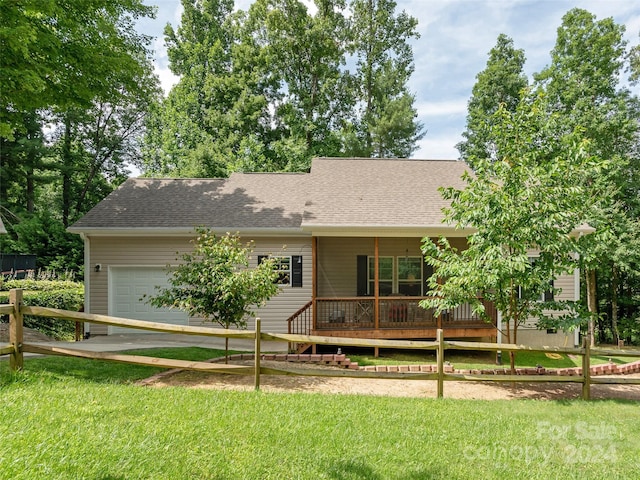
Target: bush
{"type": "Point", "coordinates": [53, 294]}
{"type": "Point", "coordinates": [629, 329]}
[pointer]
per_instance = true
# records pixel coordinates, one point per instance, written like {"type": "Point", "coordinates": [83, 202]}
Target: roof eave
{"type": "Point", "coordinates": [325, 230]}
{"type": "Point", "coordinates": [184, 231]}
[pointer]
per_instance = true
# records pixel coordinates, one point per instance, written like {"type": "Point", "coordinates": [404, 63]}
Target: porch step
{"type": "Point", "coordinates": [303, 347]}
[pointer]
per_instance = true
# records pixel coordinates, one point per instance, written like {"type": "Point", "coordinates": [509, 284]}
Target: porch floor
{"type": "Point", "coordinates": [458, 331]}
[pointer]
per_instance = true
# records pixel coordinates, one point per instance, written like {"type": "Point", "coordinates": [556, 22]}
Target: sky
{"type": "Point", "coordinates": [455, 39]}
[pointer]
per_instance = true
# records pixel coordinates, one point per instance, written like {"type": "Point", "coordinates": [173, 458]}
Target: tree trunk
{"type": "Point", "coordinates": [226, 349]}
{"type": "Point", "coordinates": [592, 304]}
{"type": "Point", "coordinates": [65, 171]}
{"type": "Point", "coordinates": [614, 304]}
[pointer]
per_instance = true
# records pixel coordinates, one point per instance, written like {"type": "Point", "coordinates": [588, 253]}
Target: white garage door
{"type": "Point", "coordinates": [127, 286]}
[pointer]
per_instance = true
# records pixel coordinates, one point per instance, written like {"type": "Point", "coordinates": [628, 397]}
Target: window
{"type": "Point", "coordinates": [410, 276]}
{"type": "Point", "coordinates": [547, 296]}
{"type": "Point", "coordinates": [385, 267]}
{"type": "Point", "coordinates": [283, 267]}
{"type": "Point", "coordinates": [289, 269]}
{"type": "Point", "coordinates": [397, 276]}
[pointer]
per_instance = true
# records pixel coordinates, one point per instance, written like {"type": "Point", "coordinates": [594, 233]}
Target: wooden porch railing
{"type": "Point", "coordinates": [300, 323]}
{"type": "Point", "coordinates": [395, 312]}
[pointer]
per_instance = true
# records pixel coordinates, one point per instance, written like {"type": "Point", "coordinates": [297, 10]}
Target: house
{"type": "Point", "coordinates": [329, 229]}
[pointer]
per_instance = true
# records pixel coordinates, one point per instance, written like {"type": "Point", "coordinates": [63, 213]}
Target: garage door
{"type": "Point", "coordinates": [127, 286]}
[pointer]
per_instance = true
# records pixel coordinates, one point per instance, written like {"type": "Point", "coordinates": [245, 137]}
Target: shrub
{"type": "Point", "coordinates": [64, 295]}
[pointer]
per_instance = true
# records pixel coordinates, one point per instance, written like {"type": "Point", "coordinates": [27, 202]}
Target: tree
{"type": "Point", "coordinates": [96, 146]}
{"type": "Point", "coordinates": [218, 112]}
{"type": "Point", "coordinates": [268, 89]}
{"type": "Point", "coordinates": [529, 196]}
{"type": "Point", "coordinates": [386, 125]}
{"type": "Point", "coordinates": [304, 54]}
{"type": "Point", "coordinates": [76, 79]}
{"type": "Point", "coordinates": [500, 84]}
{"type": "Point", "coordinates": [215, 283]}
{"type": "Point", "coordinates": [65, 52]}
{"type": "Point", "coordinates": [582, 85]}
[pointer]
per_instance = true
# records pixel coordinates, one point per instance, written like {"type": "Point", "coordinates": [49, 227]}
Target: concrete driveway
{"type": "Point", "coordinates": [113, 343]}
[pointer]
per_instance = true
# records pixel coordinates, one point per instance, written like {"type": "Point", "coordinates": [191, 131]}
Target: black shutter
{"type": "Point", "coordinates": [261, 258]}
{"type": "Point", "coordinates": [548, 295]}
{"type": "Point", "coordinates": [427, 272]}
{"type": "Point", "coordinates": [362, 280]}
{"type": "Point", "coordinates": [296, 271]}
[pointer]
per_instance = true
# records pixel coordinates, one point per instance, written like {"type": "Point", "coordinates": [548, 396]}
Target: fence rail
{"type": "Point", "coordinates": [16, 347]}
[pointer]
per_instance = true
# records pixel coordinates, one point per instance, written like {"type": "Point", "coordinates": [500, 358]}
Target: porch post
{"type": "Point", "coordinates": [376, 288]}
{"type": "Point", "coordinates": [314, 286]}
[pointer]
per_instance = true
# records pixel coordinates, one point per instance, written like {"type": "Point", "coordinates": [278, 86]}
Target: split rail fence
{"type": "Point", "coordinates": [17, 347]}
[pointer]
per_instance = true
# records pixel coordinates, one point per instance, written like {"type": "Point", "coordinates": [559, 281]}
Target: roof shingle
{"type": "Point", "coordinates": [337, 192]}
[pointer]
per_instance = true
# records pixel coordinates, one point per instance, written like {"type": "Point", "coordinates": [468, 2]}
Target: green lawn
{"type": "Point", "coordinates": [66, 418]}
{"type": "Point", "coordinates": [476, 359]}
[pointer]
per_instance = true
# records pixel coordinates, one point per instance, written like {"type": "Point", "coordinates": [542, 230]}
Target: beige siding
{"type": "Point", "coordinates": [567, 283]}
{"type": "Point", "coordinates": [161, 251]}
{"type": "Point", "coordinates": [529, 334]}
{"type": "Point", "coordinates": [337, 259]}
{"type": "Point", "coordinates": [126, 251]}
{"type": "Point", "coordinates": [533, 336]}
{"type": "Point", "coordinates": [275, 313]}
{"type": "Point", "coordinates": [337, 264]}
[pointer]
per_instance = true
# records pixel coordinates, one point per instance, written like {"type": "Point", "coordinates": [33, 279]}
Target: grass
{"type": "Point", "coordinates": [73, 418]}
{"type": "Point", "coordinates": [461, 359]}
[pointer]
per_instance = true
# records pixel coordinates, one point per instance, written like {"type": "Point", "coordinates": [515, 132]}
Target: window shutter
{"type": "Point", "coordinates": [427, 272]}
{"type": "Point", "coordinates": [548, 295]}
{"type": "Point", "coordinates": [261, 258]}
{"type": "Point", "coordinates": [296, 271]}
{"type": "Point", "coordinates": [361, 282]}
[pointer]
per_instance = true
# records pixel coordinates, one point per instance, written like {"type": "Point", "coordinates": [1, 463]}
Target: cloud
{"type": "Point", "coordinates": [442, 108]}
{"type": "Point", "coordinates": [456, 37]}
{"type": "Point", "coordinates": [441, 147]}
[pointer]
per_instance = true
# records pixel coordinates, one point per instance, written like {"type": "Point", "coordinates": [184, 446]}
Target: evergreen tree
{"type": "Point", "coordinates": [499, 85]}
{"type": "Point", "coordinates": [386, 124]}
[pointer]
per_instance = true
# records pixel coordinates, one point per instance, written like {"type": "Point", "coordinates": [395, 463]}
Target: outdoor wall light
{"type": "Point", "coordinates": [97, 267]}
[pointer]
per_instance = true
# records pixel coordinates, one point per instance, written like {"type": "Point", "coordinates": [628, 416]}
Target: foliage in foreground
{"type": "Point", "coordinates": [67, 426]}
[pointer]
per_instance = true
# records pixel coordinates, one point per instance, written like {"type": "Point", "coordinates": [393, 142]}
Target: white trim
{"type": "Point", "coordinates": [386, 231]}
{"type": "Point", "coordinates": [183, 231]}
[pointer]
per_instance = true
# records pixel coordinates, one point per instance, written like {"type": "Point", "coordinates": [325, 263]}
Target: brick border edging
{"type": "Point", "coordinates": [341, 360]}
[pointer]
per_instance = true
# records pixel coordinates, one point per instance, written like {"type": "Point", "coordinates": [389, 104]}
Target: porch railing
{"type": "Point", "coordinates": [394, 312]}
{"type": "Point", "coordinates": [300, 322]}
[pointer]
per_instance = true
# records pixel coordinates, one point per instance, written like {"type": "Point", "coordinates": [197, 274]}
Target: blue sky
{"type": "Point", "coordinates": [455, 39]}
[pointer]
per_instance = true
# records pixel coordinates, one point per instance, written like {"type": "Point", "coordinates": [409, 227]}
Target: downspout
{"type": "Point", "coordinates": [376, 287]}
{"type": "Point", "coordinates": [499, 339]}
{"type": "Point", "coordinates": [314, 282]}
{"type": "Point", "coordinates": [376, 303]}
{"type": "Point", "coordinates": [87, 280]}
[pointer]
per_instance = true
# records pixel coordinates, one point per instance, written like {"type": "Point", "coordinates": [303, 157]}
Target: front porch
{"type": "Point", "coordinates": [396, 317]}
{"type": "Point", "coordinates": [389, 279]}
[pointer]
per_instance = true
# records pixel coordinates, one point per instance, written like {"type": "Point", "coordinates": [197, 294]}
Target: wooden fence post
{"type": "Point", "coordinates": [16, 331]}
{"type": "Point", "coordinates": [257, 355]}
{"type": "Point", "coordinates": [440, 362]}
{"type": "Point", "coordinates": [586, 368]}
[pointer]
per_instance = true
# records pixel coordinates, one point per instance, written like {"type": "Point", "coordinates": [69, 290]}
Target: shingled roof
{"type": "Point", "coordinates": [337, 194]}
